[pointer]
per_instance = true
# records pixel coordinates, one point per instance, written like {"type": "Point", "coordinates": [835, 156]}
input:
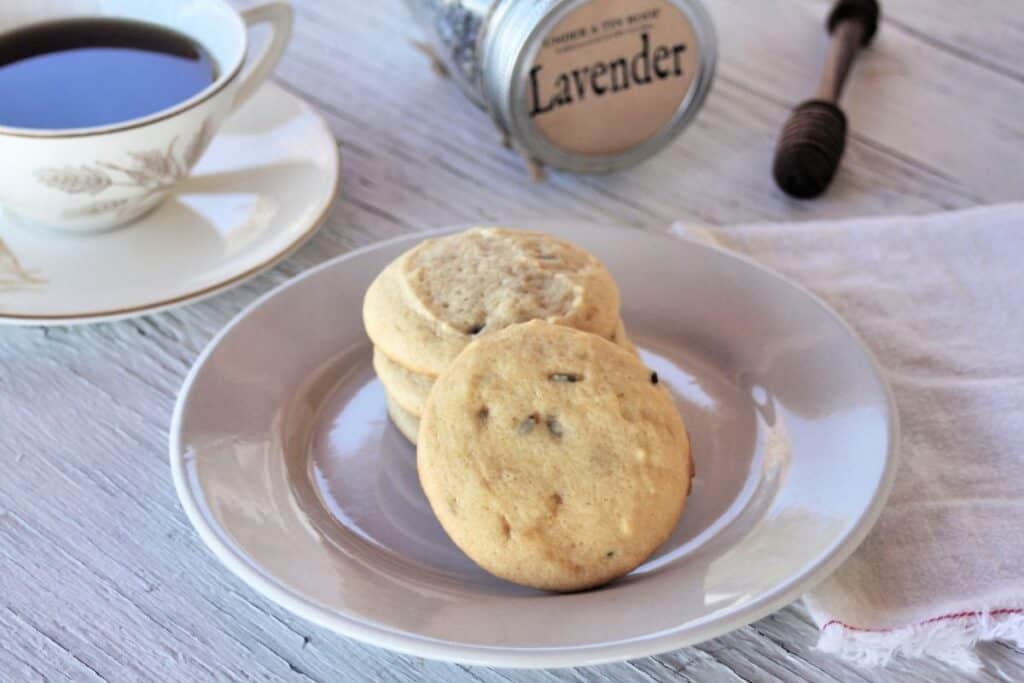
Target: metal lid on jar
{"type": "Point", "coordinates": [595, 85]}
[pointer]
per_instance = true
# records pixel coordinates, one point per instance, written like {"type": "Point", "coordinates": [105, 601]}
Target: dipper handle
{"type": "Point", "coordinates": [812, 140]}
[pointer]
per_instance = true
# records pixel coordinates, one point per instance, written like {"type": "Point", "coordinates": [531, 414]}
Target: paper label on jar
{"type": "Point", "coordinates": [611, 74]}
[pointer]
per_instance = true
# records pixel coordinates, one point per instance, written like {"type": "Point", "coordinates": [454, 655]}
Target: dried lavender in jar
{"type": "Point", "coordinates": [583, 85]}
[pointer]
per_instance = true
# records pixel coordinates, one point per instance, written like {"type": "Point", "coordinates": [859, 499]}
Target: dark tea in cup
{"type": "Point", "coordinates": [81, 73]}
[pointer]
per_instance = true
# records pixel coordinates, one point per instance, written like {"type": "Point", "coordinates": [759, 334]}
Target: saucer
{"type": "Point", "coordinates": [261, 189]}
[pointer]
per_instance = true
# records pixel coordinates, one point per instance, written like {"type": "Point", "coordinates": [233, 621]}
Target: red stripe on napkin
{"type": "Point", "coordinates": [944, 617]}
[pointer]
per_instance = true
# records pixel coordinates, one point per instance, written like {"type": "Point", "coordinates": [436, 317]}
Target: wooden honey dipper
{"type": "Point", "coordinates": [813, 139]}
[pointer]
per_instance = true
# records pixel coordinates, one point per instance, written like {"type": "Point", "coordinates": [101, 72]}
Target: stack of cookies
{"type": "Point", "coordinates": [431, 302]}
{"type": "Point", "coordinates": [550, 454]}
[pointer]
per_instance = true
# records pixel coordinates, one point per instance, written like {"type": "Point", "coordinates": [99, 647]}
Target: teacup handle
{"type": "Point", "coordinates": [279, 15]}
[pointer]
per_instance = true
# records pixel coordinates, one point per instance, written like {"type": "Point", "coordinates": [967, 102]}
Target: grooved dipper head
{"type": "Point", "coordinates": [809, 149]}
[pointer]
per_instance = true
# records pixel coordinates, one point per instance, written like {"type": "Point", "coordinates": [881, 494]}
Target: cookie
{"type": "Point", "coordinates": [620, 337]}
{"type": "Point", "coordinates": [433, 300]}
{"type": "Point", "coordinates": [406, 423]}
{"type": "Point", "coordinates": [406, 388]}
{"type": "Point", "coordinates": [552, 457]}
{"type": "Point", "coordinates": [409, 389]}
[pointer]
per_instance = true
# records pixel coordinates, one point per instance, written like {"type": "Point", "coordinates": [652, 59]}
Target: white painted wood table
{"type": "Point", "coordinates": [101, 576]}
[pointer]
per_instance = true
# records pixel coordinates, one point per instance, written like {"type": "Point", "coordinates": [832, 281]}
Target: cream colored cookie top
{"type": "Point", "coordinates": [428, 304]}
{"type": "Point", "coordinates": [552, 457]}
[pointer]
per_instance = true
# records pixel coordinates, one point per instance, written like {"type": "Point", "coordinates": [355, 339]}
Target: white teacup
{"type": "Point", "coordinates": [69, 179]}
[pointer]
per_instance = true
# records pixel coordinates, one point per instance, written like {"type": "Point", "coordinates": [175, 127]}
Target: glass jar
{"type": "Point", "coordinates": [582, 85]}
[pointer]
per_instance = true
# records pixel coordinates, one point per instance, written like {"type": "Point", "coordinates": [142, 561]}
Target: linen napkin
{"type": "Point", "coordinates": [940, 300]}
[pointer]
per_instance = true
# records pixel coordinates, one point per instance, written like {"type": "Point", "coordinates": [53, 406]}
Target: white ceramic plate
{"type": "Point", "coordinates": [286, 464]}
{"type": "Point", "coordinates": [260, 190]}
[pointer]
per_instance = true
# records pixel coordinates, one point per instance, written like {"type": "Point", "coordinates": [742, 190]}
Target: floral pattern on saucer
{"type": "Point", "coordinates": [13, 275]}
